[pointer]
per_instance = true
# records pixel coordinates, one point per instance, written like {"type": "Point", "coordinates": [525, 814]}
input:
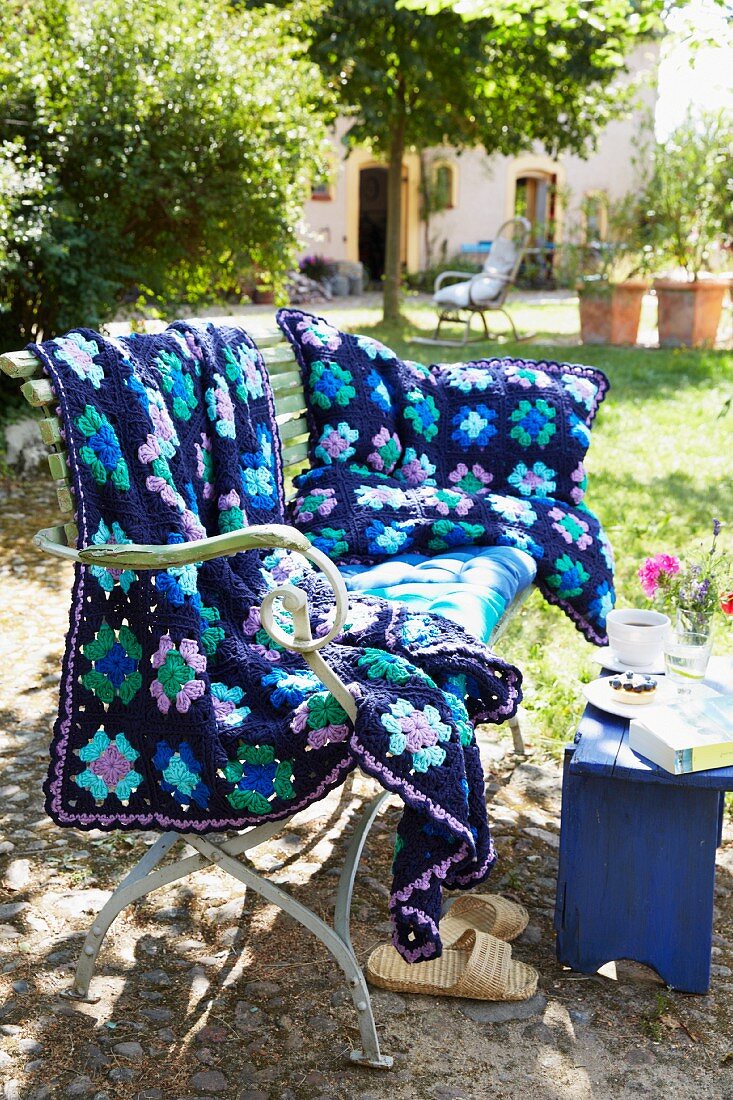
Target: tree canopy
{"type": "Point", "coordinates": [524, 73]}
{"type": "Point", "coordinates": [157, 148]}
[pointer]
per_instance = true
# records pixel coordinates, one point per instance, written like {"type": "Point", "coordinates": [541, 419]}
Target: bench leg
{"type": "Point", "coordinates": [637, 877]}
{"type": "Point", "coordinates": [515, 727]}
{"type": "Point", "coordinates": [147, 876]}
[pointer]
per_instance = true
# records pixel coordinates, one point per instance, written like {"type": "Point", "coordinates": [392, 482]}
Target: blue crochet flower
{"type": "Point", "coordinates": [569, 578]}
{"type": "Point", "coordinates": [330, 384]}
{"type": "Point", "coordinates": [181, 774]}
{"type": "Point", "coordinates": [331, 540]}
{"type": "Point", "coordinates": [534, 423]}
{"type": "Point", "coordinates": [178, 582]}
{"type": "Point", "coordinates": [602, 603]}
{"type": "Point", "coordinates": [388, 540]}
{"type": "Point", "coordinates": [378, 392]}
{"type": "Point", "coordinates": [290, 688]}
{"type": "Point", "coordinates": [579, 429]}
{"type": "Point", "coordinates": [473, 426]}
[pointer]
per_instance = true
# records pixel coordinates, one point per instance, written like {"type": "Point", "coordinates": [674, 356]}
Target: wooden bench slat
{"type": "Point", "coordinates": [274, 357]}
{"type": "Point", "coordinates": [267, 338]}
{"type": "Point", "coordinates": [291, 429]}
{"type": "Point", "coordinates": [72, 534]}
{"type": "Point", "coordinates": [296, 452]}
{"type": "Point", "coordinates": [291, 403]}
{"type": "Point", "coordinates": [289, 381]}
{"type": "Point", "coordinates": [65, 499]}
{"type": "Point", "coordinates": [20, 364]}
{"type": "Point", "coordinates": [38, 392]}
{"type": "Point", "coordinates": [58, 466]}
{"type": "Point", "coordinates": [50, 431]}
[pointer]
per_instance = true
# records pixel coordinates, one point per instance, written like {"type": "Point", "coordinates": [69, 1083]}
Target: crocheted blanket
{"type": "Point", "coordinates": [177, 710]}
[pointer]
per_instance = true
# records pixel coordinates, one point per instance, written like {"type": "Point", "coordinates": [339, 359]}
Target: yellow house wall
{"type": "Point", "coordinates": [485, 187]}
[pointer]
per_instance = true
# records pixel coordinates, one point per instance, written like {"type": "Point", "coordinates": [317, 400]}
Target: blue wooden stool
{"type": "Point", "coordinates": [637, 854]}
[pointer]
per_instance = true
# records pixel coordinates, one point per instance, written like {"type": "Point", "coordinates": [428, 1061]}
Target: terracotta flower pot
{"type": "Point", "coordinates": [264, 296]}
{"type": "Point", "coordinates": [689, 313]}
{"type": "Point", "coordinates": [610, 315]}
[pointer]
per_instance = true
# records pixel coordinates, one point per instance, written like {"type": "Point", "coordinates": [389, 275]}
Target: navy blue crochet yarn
{"type": "Point", "coordinates": [177, 711]}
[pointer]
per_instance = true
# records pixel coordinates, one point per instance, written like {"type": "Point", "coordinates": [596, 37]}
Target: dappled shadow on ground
{"type": "Point", "coordinates": [204, 978]}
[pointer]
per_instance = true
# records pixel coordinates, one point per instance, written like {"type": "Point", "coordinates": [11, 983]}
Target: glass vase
{"type": "Point", "coordinates": [697, 622]}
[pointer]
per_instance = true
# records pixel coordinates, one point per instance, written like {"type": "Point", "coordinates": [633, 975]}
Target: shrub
{"type": "Point", "coordinates": [152, 149]}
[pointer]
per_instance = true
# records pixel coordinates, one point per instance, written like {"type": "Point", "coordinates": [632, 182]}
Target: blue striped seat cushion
{"type": "Point", "coordinates": [472, 586]}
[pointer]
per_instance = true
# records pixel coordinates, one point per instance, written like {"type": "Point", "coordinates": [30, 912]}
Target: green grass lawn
{"type": "Point", "coordinates": [659, 466]}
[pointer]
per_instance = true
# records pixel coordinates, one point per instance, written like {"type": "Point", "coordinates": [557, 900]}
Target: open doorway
{"type": "Point", "coordinates": [535, 198]}
{"type": "Point", "coordinates": [373, 220]}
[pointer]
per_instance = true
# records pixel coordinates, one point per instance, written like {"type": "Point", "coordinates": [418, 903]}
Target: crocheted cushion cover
{"type": "Point", "coordinates": [357, 515]}
{"type": "Point", "coordinates": [349, 383]}
{"type": "Point", "coordinates": [177, 710]}
{"type": "Point", "coordinates": [510, 425]}
{"type": "Point", "coordinates": [471, 587]}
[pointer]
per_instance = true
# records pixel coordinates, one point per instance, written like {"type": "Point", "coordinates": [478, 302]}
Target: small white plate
{"type": "Point", "coordinates": [608, 659]}
{"type": "Point", "coordinates": [599, 694]}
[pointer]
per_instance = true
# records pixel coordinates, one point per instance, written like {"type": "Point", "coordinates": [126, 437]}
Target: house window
{"type": "Point", "coordinates": [595, 216]}
{"type": "Point", "coordinates": [321, 192]}
{"type": "Point", "coordinates": [444, 187]}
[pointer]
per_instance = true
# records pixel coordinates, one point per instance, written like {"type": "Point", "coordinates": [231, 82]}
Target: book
{"type": "Point", "coordinates": [690, 738]}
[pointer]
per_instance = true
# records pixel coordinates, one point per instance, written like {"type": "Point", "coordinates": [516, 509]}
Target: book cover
{"type": "Point", "coordinates": [692, 738]}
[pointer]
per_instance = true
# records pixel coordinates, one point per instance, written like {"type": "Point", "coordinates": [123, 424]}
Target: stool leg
{"type": "Point", "coordinates": [637, 876]}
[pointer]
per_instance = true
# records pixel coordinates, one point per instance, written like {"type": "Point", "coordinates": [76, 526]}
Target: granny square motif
{"type": "Point", "coordinates": [349, 384]}
{"type": "Point", "coordinates": [500, 425]}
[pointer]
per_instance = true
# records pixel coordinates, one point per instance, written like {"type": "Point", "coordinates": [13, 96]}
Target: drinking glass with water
{"type": "Point", "coordinates": [686, 656]}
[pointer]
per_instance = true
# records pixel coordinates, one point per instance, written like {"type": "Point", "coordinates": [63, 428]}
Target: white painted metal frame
{"type": "Point", "coordinates": [150, 873]}
{"type": "Point", "coordinates": [147, 875]}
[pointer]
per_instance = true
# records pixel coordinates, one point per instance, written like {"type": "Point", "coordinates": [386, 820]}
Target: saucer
{"type": "Point", "coordinates": [608, 659]}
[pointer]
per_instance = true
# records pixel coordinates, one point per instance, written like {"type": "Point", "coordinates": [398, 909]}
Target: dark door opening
{"type": "Point", "coordinates": [373, 220]}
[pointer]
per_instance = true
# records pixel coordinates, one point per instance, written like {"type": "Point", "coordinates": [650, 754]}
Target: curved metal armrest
{"type": "Point", "coordinates": [461, 276]}
{"type": "Point", "coordinates": [136, 556]}
{"type": "Point", "coordinates": [266, 537]}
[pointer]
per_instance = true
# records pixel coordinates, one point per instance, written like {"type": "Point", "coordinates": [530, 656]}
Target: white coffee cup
{"type": "Point", "coordinates": [636, 636]}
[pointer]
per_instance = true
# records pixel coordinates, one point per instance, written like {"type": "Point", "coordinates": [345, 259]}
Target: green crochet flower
{"type": "Point", "coordinates": [259, 778]}
{"type": "Point", "coordinates": [325, 710]}
{"type": "Point", "coordinates": [102, 453]}
{"type": "Point", "coordinates": [384, 666]}
{"type": "Point", "coordinates": [533, 423]}
{"type": "Point", "coordinates": [569, 578]}
{"type": "Point", "coordinates": [114, 658]}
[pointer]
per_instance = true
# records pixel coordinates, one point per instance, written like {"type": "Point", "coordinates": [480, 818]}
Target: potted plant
{"type": "Point", "coordinates": [687, 201]}
{"type": "Point", "coordinates": [611, 280]}
{"type": "Point", "coordinates": [264, 292]}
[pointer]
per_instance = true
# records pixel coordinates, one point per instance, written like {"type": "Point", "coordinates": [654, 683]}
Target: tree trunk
{"type": "Point", "coordinates": [392, 258]}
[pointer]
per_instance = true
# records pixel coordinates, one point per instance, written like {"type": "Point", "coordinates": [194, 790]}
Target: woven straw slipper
{"type": "Point", "coordinates": [490, 913]}
{"type": "Point", "coordinates": [477, 966]}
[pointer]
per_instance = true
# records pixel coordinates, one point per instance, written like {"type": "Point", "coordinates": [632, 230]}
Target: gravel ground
{"type": "Point", "coordinates": [206, 991]}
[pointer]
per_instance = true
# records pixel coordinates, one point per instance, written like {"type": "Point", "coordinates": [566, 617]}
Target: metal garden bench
{"type": "Point", "coordinates": [151, 873]}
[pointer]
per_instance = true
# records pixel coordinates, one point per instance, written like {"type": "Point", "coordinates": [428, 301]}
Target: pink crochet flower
{"type": "Point", "coordinates": [651, 569]}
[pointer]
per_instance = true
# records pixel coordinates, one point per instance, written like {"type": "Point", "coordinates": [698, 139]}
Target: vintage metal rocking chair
{"type": "Point", "coordinates": [459, 297]}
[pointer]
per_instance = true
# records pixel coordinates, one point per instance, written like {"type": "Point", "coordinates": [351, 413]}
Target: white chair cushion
{"type": "Point", "coordinates": [455, 295]}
